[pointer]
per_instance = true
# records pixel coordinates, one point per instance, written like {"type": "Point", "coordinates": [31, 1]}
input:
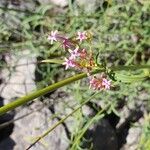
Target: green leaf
{"type": "Point", "coordinates": [43, 8]}
{"type": "Point", "coordinates": [130, 78]}
{"type": "Point", "coordinates": [55, 61]}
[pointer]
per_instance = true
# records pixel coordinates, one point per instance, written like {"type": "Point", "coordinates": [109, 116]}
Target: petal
{"type": "Point", "coordinates": [70, 51]}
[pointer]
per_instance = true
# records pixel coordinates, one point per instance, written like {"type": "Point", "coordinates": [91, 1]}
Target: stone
{"type": "Point", "coordinates": [90, 6]}
{"type": "Point", "coordinates": [61, 3]}
{"type": "Point", "coordinates": [25, 130]}
{"type": "Point", "coordinates": [21, 81]}
{"type": "Point", "coordinates": [35, 125]}
{"type": "Point", "coordinates": [132, 139]}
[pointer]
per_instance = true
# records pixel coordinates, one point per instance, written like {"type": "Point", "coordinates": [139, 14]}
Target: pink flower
{"type": "Point", "coordinates": [96, 84]}
{"type": "Point", "coordinates": [69, 63]}
{"type": "Point", "coordinates": [74, 53]}
{"type": "Point", "coordinates": [66, 43]}
{"type": "Point", "coordinates": [53, 36]}
{"type": "Point", "coordinates": [83, 53]}
{"type": "Point", "coordinates": [81, 36]}
{"type": "Point", "coordinates": [99, 83]}
{"type": "Point", "coordinates": [106, 83]}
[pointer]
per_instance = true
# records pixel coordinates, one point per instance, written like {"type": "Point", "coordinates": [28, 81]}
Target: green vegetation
{"type": "Point", "coordinates": [120, 38]}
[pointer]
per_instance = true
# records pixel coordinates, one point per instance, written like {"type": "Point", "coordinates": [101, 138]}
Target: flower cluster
{"type": "Point", "coordinates": [99, 83]}
{"type": "Point", "coordinates": [79, 58]}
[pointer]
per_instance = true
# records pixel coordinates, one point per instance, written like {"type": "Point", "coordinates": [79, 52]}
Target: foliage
{"type": "Point", "coordinates": [145, 137]}
{"type": "Point", "coordinates": [120, 37]}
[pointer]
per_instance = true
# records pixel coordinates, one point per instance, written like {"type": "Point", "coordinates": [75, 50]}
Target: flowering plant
{"type": "Point", "coordinates": [81, 59]}
{"type": "Point", "coordinates": [84, 60]}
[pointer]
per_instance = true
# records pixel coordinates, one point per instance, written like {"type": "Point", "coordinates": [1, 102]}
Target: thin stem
{"type": "Point", "coordinates": [38, 93]}
{"type": "Point", "coordinates": [5, 124]}
{"type": "Point", "coordinates": [61, 121]}
{"type": "Point", "coordinates": [84, 129]}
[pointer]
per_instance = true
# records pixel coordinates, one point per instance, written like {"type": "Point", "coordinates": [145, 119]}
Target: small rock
{"type": "Point", "coordinates": [61, 3]}
{"type": "Point", "coordinates": [35, 125]}
{"type": "Point", "coordinates": [90, 6]}
{"type": "Point", "coordinates": [132, 139]}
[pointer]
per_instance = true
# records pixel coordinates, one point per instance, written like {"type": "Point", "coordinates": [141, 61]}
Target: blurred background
{"type": "Point", "coordinates": [121, 30]}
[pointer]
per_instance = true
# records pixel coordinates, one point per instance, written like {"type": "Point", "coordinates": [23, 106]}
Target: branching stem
{"type": "Point", "coordinates": [23, 100]}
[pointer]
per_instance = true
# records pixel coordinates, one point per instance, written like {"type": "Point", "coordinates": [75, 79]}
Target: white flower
{"type": "Point", "coordinates": [74, 53]}
{"type": "Point", "coordinates": [81, 36]}
{"type": "Point", "coordinates": [53, 36]}
{"type": "Point", "coordinates": [69, 63]}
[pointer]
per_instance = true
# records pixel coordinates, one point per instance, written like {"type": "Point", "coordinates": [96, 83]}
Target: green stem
{"type": "Point", "coordinates": [38, 93]}
{"type": "Point", "coordinates": [61, 121]}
